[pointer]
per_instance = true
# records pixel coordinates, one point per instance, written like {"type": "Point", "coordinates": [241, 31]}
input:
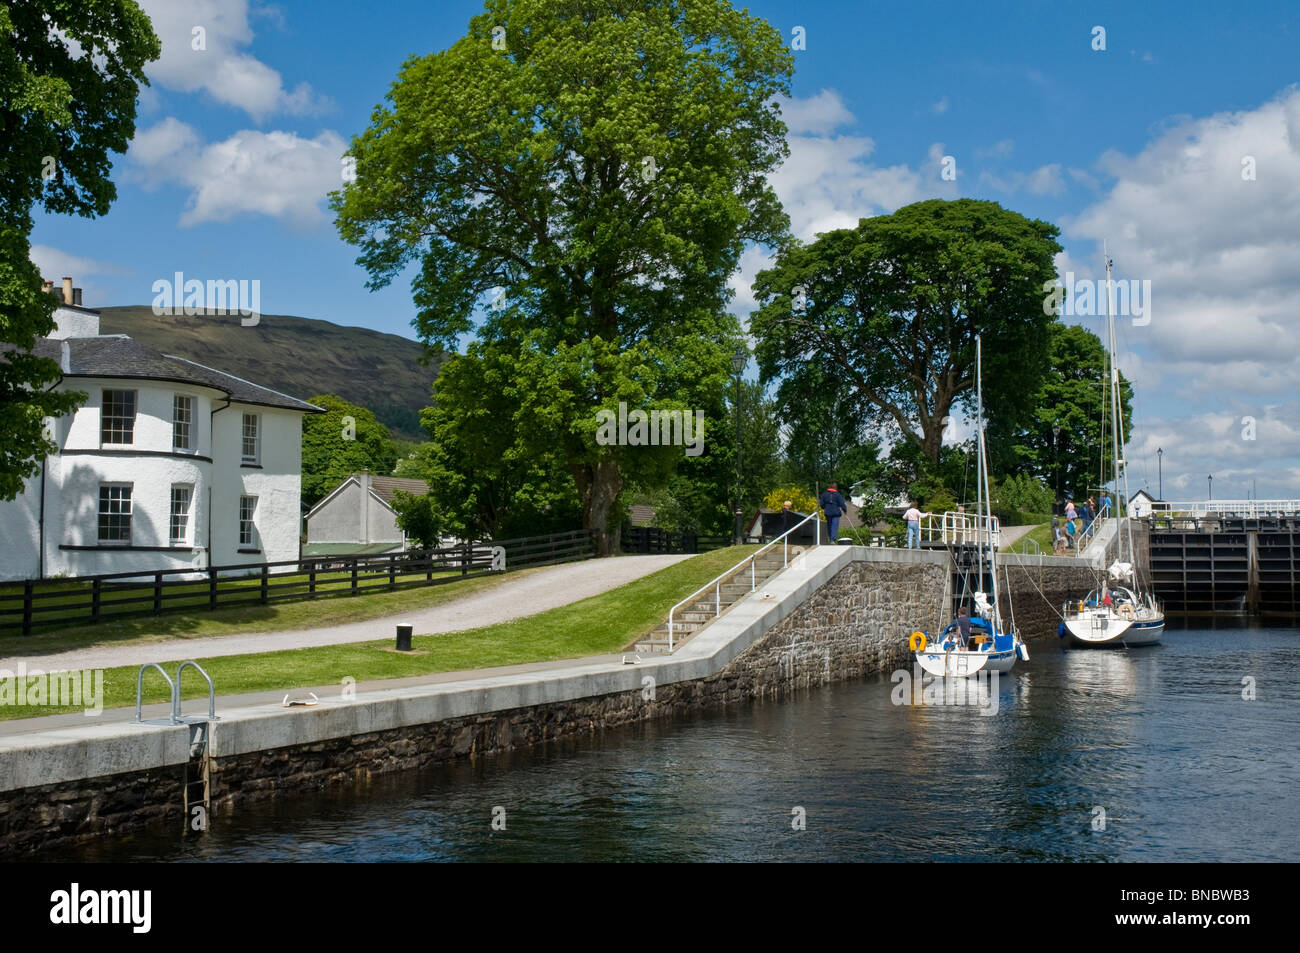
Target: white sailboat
{"type": "Point", "coordinates": [1116, 612]}
{"type": "Point", "coordinates": [992, 646]}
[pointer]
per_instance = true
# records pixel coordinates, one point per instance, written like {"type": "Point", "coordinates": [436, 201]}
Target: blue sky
{"type": "Point", "coordinates": [1142, 143]}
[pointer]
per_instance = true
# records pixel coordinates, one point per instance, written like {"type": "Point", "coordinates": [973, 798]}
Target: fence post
{"type": "Point", "coordinates": [464, 561]}
{"type": "Point", "coordinates": [96, 587]}
{"type": "Point", "coordinates": [27, 607]}
{"type": "Point", "coordinates": [311, 579]}
{"type": "Point", "coordinates": [428, 567]}
{"type": "Point", "coordinates": [354, 577]}
{"type": "Point", "coordinates": [264, 571]}
{"type": "Point", "coordinates": [212, 587]}
{"type": "Point", "coordinates": [157, 593]}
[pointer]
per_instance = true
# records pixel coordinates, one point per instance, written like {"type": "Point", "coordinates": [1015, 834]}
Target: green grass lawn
{"type": "Point", "coordinates": [304, 614]}
{"type": "Point", "coordinates": [593, 626]}
{"type": "Point", "coordinates": [1041, 534]}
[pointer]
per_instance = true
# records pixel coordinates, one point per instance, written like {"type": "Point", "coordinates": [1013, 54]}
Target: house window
{"type": "Point", "coordinates": [117, 417]}
{"type": "Point", "coordinates": [115, 513]}
{"type": "Point", "coordinates": [182, 422]}
{"type": "Point", "coordinates": [180, 513]}
{"type": "Point", "coordinates": [251, 443]}
{"type": "Point", "coordinates": [247, 531]}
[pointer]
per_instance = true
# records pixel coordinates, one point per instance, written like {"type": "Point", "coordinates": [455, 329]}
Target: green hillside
{"type": "Point", "coordinates": [300, 357]}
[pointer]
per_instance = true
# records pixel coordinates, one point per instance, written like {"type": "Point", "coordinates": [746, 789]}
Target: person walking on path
{"type": "Point", "coordinates": [913, 519]}
{"type": "Point", "coordinates": [1085, 514]}
{"type": "Point", "coordinates": [1105, 504]}
{"type": "Point", "coordinates": [1069, 533]}
{"type": "Point", "coordinates": [834, 507]}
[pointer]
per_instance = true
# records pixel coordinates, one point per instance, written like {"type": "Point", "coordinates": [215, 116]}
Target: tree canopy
{"type": "Point", "coordinates": [346, 439]}
{"type": "Point", "coordinates": [893, 307]}
{"type": "Point", "coordinates": [69, 77]}
{"type": "Point", "coordinates": [577, 182]}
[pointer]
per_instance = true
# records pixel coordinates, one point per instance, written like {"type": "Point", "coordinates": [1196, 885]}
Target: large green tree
{"type": "Point", "coordinates": [589, 174]}
{"type": "Point", "coordinates": [69, 76]}
{"type": "Point", "coordinates": [346, 439]}
{"type": "Point", "coordinates": [892, 308]}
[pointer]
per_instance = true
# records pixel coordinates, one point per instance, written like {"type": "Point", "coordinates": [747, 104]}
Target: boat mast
{"type": "Point", "coordinates": [1117, 436]}
{"type": "Point", "coordinates": [984, 505]}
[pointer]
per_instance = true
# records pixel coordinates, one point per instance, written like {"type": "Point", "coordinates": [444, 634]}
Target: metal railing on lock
{"type": "Point", "coordinates": [716, 583]}
{"type": "Point", "coordinates": [1252, 509]}
{"type": "Point", "coordinates": [175, 718]}
{"type": "Point", "coordinates": [1089, 534]}
{"type": "Point", "coordinates": [956, 528]}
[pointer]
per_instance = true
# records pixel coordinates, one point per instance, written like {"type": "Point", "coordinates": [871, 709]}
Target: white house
{"type": "Point", "coordinates": [168, 464]}
{"type": "Point", "coordinates": [357, 517]}
{"type": "Point", "coordinates": [1139, 505]}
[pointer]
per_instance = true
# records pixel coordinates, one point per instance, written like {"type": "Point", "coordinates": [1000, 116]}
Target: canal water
{"type": "Point", "coordinates": [1093, 755]}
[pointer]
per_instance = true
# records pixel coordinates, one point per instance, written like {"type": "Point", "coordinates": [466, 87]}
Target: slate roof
{"type": "Point", "coordinates": [384, 486]}
{"type": "Point", "coordinates": [119, 357]}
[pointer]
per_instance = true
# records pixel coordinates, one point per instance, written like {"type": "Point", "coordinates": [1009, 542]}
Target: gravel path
{"type": "Point", "coordinates": [514, 599]}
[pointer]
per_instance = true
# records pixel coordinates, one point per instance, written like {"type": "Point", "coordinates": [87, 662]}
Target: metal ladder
{"type": "Point", "coordinates": [196, 790]}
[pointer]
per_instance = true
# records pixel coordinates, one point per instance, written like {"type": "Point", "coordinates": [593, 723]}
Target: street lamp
{"type": "Point", "coordinates": [738, 361]}
{"type": "Point", "coordinates": [1160, 470]}
{"type": "Point", "coordinates": [1056, 457]}
{"type": "Point", "coordinates": [1211, 479]}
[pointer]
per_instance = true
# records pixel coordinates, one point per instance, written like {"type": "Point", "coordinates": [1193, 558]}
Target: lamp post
{"type": "Point", "coordinates": [738, 361]}
{"type": "Point", "coordinates": [1210, 478]}
{"type": "Point", "coordinates": [1056, 457]}
{"type": "Point", "coordinates": [1160, 471]}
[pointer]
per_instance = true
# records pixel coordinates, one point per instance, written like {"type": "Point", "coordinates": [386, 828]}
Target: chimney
{"type": "Point", "coordinates": [76, 297]}
{"type": "Point", "coordinates": [47, 286]}
{"type": "Point", "coordinates": [67, 290]}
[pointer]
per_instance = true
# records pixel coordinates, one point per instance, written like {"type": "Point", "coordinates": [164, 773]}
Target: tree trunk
{"type": "Point", "coordinates": [599, 485]}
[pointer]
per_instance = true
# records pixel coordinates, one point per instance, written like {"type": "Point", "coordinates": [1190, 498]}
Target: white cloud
{"type": "Point", "coordinates": [829, 181]}
{"type": "Point", "coordinates": [815, 114]}
{"type": "Point", "coordinates": [1045, 180]}
{"type": "Point", "coordinates": [1220, 251]}
{"type": "Point", "coordinates": [221, 68]}
{"type": "Point", "coordinates": [277, 174]}
{"type": "Point", "coordinates": [999, 150]}
{"type": "Point", "coordinates": [940, 107]}
{"type": "Point", "coordinates": [54, 263]}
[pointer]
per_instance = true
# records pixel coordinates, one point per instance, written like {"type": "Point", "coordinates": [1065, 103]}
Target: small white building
{"type": "Point", "coordinates": [168, 465]}
{"type": "Point", "coordinates": [357, 517]}
{"type": "Point", "coordinates": [1139, 504]}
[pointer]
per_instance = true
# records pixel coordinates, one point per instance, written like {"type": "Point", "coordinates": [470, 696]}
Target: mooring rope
{"type": "Point", "coordinates": [1049, 602]}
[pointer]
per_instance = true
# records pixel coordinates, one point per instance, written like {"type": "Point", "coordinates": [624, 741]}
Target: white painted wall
{"type": "Point", "coordinates": [352, 515]}
{"type": "Point", "coordinates": [212, 468]}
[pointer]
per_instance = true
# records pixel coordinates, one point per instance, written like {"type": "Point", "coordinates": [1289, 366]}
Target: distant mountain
{"type": "Point", "coordinates": [300, 357]}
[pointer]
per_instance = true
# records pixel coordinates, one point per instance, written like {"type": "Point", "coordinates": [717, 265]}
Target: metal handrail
{"type": "Point", "coordinates": [139, 684]}
{"type": "Point", "coordinates": [959, 527]}
{"type": "Point", "coordinates": [717, 582]}
{"type": "Point", "coordinates": [1249, 508]}
{"type": "Point", "coordinates": [1026, 542]}
{"type": "Point", "coordinates": [176, 692]}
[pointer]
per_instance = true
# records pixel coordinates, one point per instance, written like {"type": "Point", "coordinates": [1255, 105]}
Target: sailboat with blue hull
{"type": "Point", "coordinates": [984, 643]}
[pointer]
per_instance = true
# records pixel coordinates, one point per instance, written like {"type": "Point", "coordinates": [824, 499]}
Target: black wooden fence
{"type": "Point", "coordinates": [91, 599]}
{"type": "Point", "coordinates": [651, 539]}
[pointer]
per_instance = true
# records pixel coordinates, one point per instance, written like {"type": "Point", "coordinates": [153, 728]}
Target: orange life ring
{"type": "Point", "coordinates": [917, 642]}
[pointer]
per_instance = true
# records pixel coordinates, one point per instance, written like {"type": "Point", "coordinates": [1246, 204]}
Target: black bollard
{"type": "Point", "coordinates": [404, 637]}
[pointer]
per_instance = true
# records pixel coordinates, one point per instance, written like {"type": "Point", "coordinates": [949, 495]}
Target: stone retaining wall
{"type": "Point", "coordinates": [854, 625]}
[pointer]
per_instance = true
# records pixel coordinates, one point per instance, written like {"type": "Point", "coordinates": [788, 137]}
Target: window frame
{"type": "Point", "coordinates": [101, 515]}
{"type": "Point", "coordinates": [256, 458]}
{"type": "Point", "coordinates": [104, 417]}
{"type": "Point", "coordinates": [184, 538]}
{"type": "Point", "coordinates": [251, 540]}
{"type": "Point", "coordinates": [191, 443]}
